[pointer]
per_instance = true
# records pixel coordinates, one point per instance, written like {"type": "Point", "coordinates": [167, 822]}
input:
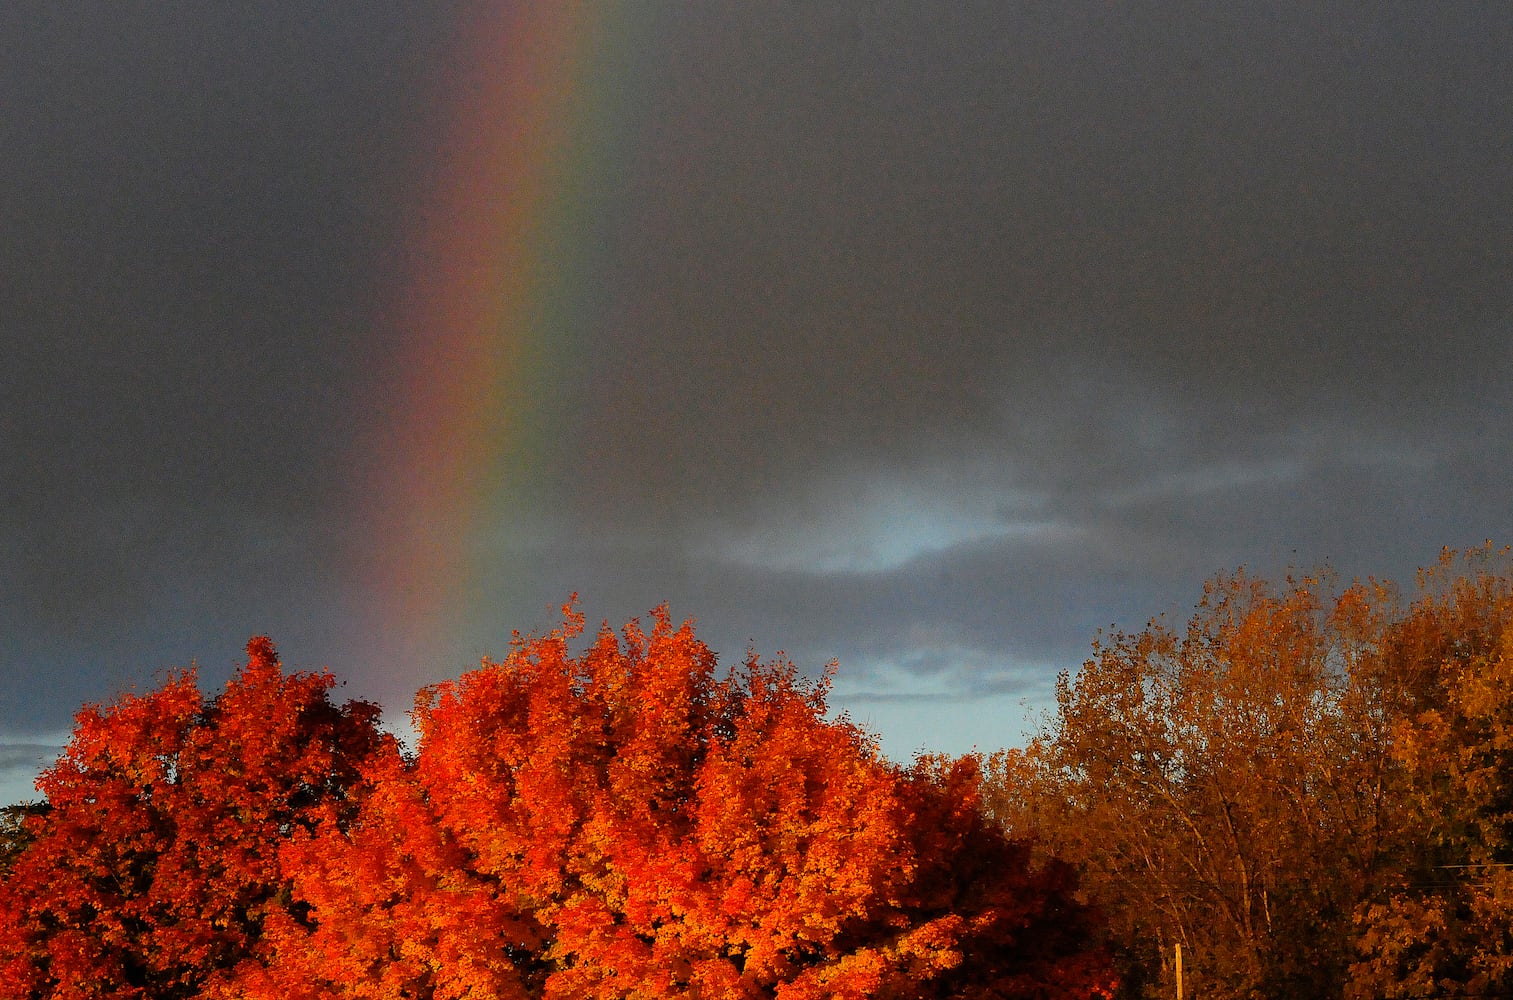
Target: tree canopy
{"type": "Point", "coordinates": [153, 866]}
{"type": "Point", "coordinates": [626, 821]}
{"type": "Point", "coordinates": [1308, 788]}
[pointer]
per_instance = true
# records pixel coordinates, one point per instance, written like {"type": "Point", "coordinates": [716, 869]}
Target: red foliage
{"type": "Point", "coordinates": [626, 823]}
{"type": "Point", "coordinates": [621, 823]}
{"type": "Point", "coordinates": [154, 866]}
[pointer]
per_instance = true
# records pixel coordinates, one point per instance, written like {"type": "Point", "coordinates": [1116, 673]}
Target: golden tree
{"type": "Point", "coordinates": [1225, 787]}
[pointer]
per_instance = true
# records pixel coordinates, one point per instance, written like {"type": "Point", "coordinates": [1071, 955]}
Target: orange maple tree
{"type": "Point", "coordinates": [629, 823]}
{"type": "Point", "coordinates": [153, 865]}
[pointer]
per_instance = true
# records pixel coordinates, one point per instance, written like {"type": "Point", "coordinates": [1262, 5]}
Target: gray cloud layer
{"type": "Point", "coordinates": [935, 340]}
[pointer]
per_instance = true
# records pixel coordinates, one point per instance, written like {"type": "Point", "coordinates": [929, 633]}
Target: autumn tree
{"type": "Point", "coordinates": [1308, 789]}
{"type": "Point", "coordinates": [1444, 927]}
{"type": "Point", "coordinates": [154, 865]}
{"type": "Point", "coordinates": [1226, 787]}
{"type": "Point", "coordinates": [630, 822]}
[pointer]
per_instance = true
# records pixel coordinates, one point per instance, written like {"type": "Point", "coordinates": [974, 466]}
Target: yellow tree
{"type": "Point", "coordinates": [1225, 787]}
{"type": "Point", "coordinates": [1444, 927]}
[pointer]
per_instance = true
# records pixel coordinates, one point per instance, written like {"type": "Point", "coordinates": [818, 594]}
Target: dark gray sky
{"type": "Point", "coordinates": [930, 339]}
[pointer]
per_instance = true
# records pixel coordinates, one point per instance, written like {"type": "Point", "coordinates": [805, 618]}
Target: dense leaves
{"type": "Point", "coordinates": [154, 866]}
{"type": "Point", "coordinates": [1445, 928]}
{"type": "Point", "coordinates": [627, 823]}
{"type": "Point", "coordinates": [623, 822]}
{"type": "Point", "coordinates": [1308, 788]}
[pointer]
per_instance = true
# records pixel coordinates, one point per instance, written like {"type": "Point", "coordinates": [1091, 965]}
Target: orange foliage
{"type": "Point", "coordinates": [626, 823]}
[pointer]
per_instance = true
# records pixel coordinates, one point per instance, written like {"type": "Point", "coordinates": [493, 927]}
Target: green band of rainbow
{"type": "Point", "coordinates": [504, 248]}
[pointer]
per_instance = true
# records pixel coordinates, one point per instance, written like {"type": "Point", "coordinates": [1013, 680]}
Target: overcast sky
{"type": "Point", "coordinates": [928, 338]}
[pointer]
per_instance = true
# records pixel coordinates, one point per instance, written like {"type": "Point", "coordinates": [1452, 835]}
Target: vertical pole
{"type": "Point", "coordinates": [1179, 970]}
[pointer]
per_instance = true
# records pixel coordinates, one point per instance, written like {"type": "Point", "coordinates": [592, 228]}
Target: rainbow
{"type": "Point", "coordinates": [503, 249]}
